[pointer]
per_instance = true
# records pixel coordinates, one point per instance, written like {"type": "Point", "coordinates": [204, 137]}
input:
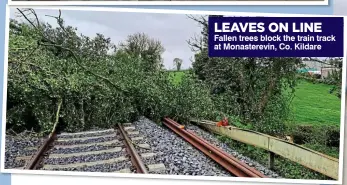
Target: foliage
{"type": "Point", "coordinates": [334, 77]}
{"type": "Point", "coordinates": [322, 135]}
{"type": "Point", "coordinates": [96, 84]}
{"type": "Point", "coordinates": [149, 49]}
{"type": "Point", "coordinates": [177, 76]}
{"type": "Point", "coordinates": [191, 97]}
{"type": "Point", "coordinates": [250, 88]}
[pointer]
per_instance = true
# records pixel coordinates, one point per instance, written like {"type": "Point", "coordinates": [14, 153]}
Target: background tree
{"type": "Point", "coordinates": [178, 63]}
{"type": "Point", "coordinates": [335, 74]}
{"type": "Point", "coordinates": [149, 49]}
{"type": "Point", "coordinates": [255, 89]}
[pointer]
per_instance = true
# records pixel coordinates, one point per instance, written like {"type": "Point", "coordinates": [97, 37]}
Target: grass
{"type": "Point", "coordinates": [314, 105]}
{"type": "Point", "coordinates": [177, 76]}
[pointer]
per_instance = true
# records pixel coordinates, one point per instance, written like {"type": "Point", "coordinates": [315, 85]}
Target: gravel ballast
{"type": "Point", "coordinates": [180, 158]}
{"type": "Point", "coordinates": [106, 167]}
{"type": "Point", "coordinates": [83, 149]}
{"type": "Point", "coordinates": [80, 135]}
{"type": "Point", "coordinates": [213, 140]}
{"type": "Point", "coordinates": [83, 159]}
{"type": "Point", "coordinates": [94, 140]}
{"type": "Point", "coordinates": [165, 147]}
{"type": "Point", "coordinates": [101, 168]}
{"type": "Point", "coordinates": [17, 146]}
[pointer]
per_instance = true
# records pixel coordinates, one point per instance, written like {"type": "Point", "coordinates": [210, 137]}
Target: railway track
{"type": "Point", "coordinates": [224, 159]}
{"type": "Point", "coordinates": [120, 150]}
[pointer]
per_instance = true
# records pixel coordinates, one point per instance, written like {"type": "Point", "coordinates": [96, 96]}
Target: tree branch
{"type": "Point", "coordinates": [60, 102]}
{"type": "Point", "coordinates": [78, 61]}
{"type": "Point", "coordinates": [26, 17]}
{"type": "Point", "coordinates": [49, 42]}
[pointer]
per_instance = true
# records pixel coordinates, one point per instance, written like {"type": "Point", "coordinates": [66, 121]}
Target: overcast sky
{"type": "Point", "coordinates": [173, 30]}
{"type": "Point", "coordinates": [340, 7]}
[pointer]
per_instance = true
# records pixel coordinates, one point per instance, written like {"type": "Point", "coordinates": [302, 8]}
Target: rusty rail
{"type": "Point", "coordinates": [229, 162]}
{"type": "Point", "coordinates": [134, 156]}
{"type": "Point", "coordinates": [36, 159]}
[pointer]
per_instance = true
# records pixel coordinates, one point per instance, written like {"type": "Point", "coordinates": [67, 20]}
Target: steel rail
{"type": "Point", "coordinates": [229, 162]}
{"type": "Point", "coordinates": [36, 159]}
{"type": "Point", "coordinates": [134, 156]}
{"type": "Point", "coordinates": [250, 170]}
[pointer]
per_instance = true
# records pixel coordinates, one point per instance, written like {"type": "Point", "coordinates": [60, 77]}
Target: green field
{"type": "Point", "coordinates": [176, 76]}
{"type": "Point", "coordinates": [314, 105]}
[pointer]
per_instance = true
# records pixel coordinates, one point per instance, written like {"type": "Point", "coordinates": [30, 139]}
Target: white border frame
{"type": "Point", "coordinates": [209, 2]}
{"type": "Point", "coordinates": [157, 176]}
